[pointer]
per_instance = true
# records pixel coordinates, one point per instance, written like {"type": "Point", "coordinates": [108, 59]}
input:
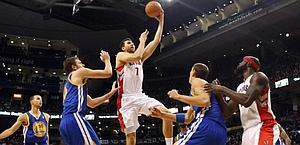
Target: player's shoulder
{"type": "Point", "coordinates": [199, 81]}
{"type": "Point", "coordinates": [260, 78]}
{"type": "Point", "coordinates": [260, 75]}
{"type": "Point", "coordinates": [120, 54]}
{"type": "Point", "coordinates": [81, 71]}
{"type": "Point", "coordinates": [47, 116]}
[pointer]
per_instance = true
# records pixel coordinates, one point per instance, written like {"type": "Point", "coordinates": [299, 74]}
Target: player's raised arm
{"type": "Point", "coordinates": [89, 73]}
{"type": "Point", "coordinates": [150, 48]}
{"type": "Point", "coordinates": [258, 82]}
{"type": "Point", "coordinates": [187, 117]}
{"type": "Point", "coordinates": [199, 96]}
{"type": "Point", "coordinates": [125, 57]}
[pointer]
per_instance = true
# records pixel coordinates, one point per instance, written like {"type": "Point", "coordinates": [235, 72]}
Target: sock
{"type": "Point", "coordinates": [169, 141]}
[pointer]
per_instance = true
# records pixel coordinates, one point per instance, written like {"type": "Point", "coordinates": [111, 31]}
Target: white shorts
{"type": "Point", "coordinates": [134, 104]}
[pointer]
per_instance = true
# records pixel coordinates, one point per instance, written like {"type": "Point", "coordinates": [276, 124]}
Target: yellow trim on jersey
{"type": "Point", "coordinates": [46, 117]}
{"type": "Point", "coordinates": [65, 93]}
{"type": "Point", "coordinates": [75, 83]}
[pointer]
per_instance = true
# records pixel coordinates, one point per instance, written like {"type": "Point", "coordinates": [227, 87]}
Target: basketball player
{"type": "Point", "coordinates": [34, 122]}
{"type": "Point", "coordinates": [74, 128]}
{"type": "Point", "coordinates": [254, 101]}
{"type": "Point", "coordinates": [205, 117]}
{"type": "Point", "coordinates": [131, 101]}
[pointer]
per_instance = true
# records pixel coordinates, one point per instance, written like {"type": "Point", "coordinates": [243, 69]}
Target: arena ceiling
{"type": "Point", "coordinates": [129, 14]}
{"type": "Point", "coordinates": [118, 14]}
{"type": "Point", "coordinates": [270, 30]}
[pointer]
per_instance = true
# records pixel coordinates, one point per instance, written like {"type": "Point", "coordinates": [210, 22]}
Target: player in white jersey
{"type": "Point", "coordinates": [131, 100]}
{"type": "Point", "coordinates": [253, 100]}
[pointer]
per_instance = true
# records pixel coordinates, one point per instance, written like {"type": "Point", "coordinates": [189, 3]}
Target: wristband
{"type": "Point", "coordinates": [180, 117]}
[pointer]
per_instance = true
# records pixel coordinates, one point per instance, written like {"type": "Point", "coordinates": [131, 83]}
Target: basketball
{"type": "Point", "coordinates": [153, 9]}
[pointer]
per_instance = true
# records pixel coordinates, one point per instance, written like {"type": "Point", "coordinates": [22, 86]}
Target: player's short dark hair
{"type": "Point", "coordinates": [122, 43]}
{"type": "Point", "coordinates": [32, 97]}
{"type": "Point", "coordinates": [201, 70]}
{"type": "Point", "coordinates": [69, 62]}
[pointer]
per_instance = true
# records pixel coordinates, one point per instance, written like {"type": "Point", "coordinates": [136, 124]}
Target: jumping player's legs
{"type": "Point", "coordinates": [147, 103]}
{"type": "Point", "coordinates": [167, 125]}
{"type": "Point", "coordinates": [129, 115]}
{"type": "Point", "coordinates": [131, 138]}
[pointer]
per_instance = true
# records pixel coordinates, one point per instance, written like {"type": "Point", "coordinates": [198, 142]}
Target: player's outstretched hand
{"type": "Point", "coordinates": [104, 56]}
{"type": "Point", "coordinates": [143, 36]}
{"type": "Point", "coordinates": [173, 94]}
{"type": "Point", "coordinates": [216, 82]}
{"type": "Point", "coordinates": [210, 87]}
{"type": "Point", "coordinates": [155, 113]}
{"type": "Point", "coordinates": [114, 88]}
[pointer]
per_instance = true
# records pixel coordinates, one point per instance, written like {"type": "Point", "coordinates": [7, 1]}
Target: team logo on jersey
{"type": "Point", "coordinates": [39, 129]}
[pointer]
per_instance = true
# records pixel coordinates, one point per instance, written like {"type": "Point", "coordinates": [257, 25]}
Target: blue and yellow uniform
{"type": "Point", "coordinates": [208, 126]}
{"type": "Point", "coordinates": [74, 128]}
{"type": "Point", "coordinates": [36, 130]}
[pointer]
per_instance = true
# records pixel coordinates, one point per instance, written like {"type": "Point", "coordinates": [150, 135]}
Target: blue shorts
{"type": "Point", "coordinates": [204, 131]}
{"type": "Point", "coordinates": [75, 130]}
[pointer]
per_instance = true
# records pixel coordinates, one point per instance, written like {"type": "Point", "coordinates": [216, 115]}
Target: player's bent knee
{"type": "Point", "coordinates": [131, 135]}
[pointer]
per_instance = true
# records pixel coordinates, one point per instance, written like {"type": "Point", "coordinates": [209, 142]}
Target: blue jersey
{"type": "Point", "coordinates": [36, 131]}
{"type": "Point", "coordinates": [74, 128]}
{"type": "Point", "coordinates": [75, 98]}
{"type": "Point", "coordinates": [208, 126]}
{"type": "Point", "coordinates": [213, 112]}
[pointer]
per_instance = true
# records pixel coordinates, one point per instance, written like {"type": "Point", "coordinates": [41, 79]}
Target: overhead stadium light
{"type": "Point", "coordinates": [287, 35]}
{"type": "Point", "coordinates": [17, 96]}
{"type": "Point", "coordinates": [296, 79]}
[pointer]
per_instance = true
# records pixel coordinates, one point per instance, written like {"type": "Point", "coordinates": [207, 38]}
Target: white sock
{"type": "Point", "coordinates": [169, 141]}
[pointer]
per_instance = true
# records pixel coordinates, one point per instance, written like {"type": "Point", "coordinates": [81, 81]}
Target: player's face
{"type": "Point", "coordinates": [37, 101]}
{"type": "Point", "coordinates": [191, 74]}
{"type": "Point", "coordinates": [78, 64]}
{"type": "Point", "coordinates": [129, 46]}
{"type": "Point", "coordinates": [243, 69]}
